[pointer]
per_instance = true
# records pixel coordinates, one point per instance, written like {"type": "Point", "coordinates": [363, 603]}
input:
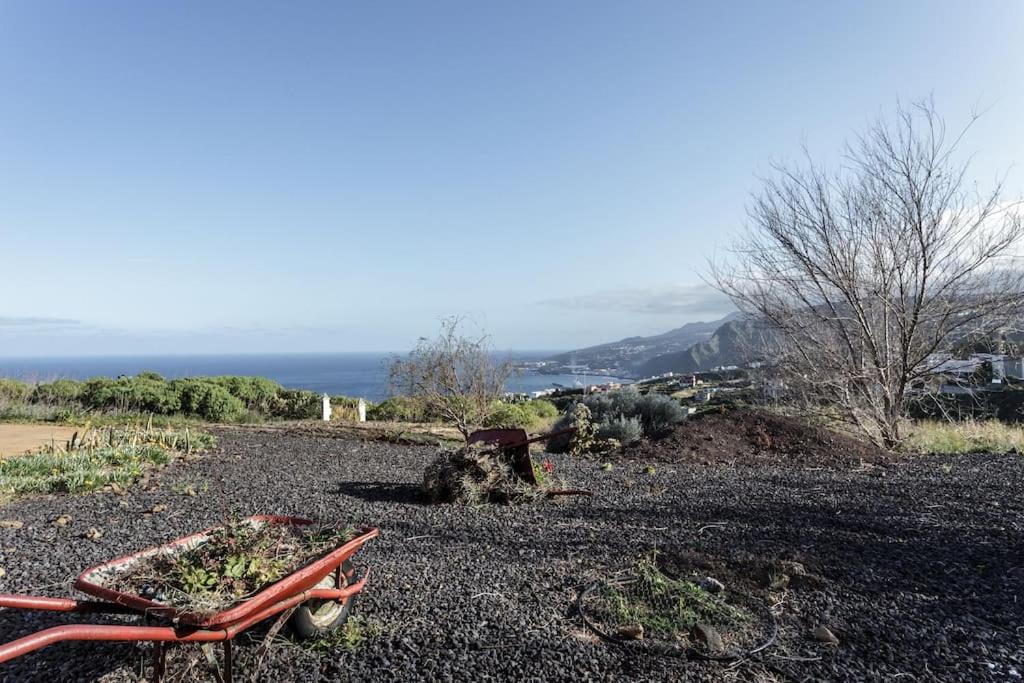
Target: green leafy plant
{"type": "Point", "coordinates": [236, 560]}
{"type": "Point", "coordinates": [582, 440]}
{"type": "Point", "coordinates": [664, 607]}
{"type": "Point", "coordinates": [625, 430]}
{"type": "Point", "coordinates": [399, 409]}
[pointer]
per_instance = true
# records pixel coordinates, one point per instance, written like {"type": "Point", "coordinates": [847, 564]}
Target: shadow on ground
{"type": "Point", "coordinates": [383, 492]}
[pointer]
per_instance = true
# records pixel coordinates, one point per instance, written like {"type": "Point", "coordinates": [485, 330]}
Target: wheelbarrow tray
{"type": "Point", "coordinates": [95, 580]}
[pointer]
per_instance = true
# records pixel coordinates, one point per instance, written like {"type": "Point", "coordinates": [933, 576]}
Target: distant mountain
{"type": "Point", "coordinates": [627, 355]}
{"type": "Point", "coordinates": [728, 345]}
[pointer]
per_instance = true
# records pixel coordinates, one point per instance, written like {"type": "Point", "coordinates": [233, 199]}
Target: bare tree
{"type": "Point", "coordinates": [864, 274]}
{"type": "Point", "coordinates": [456, 377]}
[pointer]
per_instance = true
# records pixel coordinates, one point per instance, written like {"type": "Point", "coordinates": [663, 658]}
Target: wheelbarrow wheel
{"type": "Point", "coordinates": [316, 617]}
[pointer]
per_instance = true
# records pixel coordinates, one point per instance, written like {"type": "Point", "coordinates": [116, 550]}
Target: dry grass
{"type": "Point", "coordinates": [990, 436]}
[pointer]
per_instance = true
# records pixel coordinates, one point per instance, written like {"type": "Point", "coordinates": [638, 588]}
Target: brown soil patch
{"type": "Point", "coordinates": [16, 439]}
{"type": "Point", "coordinates": [754, 437]}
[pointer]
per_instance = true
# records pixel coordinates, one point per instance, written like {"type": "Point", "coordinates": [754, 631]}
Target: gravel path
{"type": "Point", "coordinates": [923, 563]}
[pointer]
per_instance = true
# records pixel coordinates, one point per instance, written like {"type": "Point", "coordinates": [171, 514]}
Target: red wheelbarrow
{"type": "Point", "coordinates": [319, 597]}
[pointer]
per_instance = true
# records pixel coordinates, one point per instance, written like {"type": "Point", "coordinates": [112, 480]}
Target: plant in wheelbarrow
{"type": "Point", "coordinates": [235, 562]}
{"type": "Point", "coordinates": [211, 586]}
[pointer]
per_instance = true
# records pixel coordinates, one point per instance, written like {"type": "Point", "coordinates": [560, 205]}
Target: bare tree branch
{"type": "Point", "coordinates": [864, 273]}
{"type": "Point", "coordinates": [456, 377]}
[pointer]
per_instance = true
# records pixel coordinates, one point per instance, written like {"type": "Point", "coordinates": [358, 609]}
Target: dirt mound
{"type": "Point", "coordinates": [752, 437]}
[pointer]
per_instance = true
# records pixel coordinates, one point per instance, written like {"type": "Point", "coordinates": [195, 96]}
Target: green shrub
{"type": "Point", "coordinates": [658, 414]}
{"type": "Point", "coordinates": [510, 416]}
{"type": "Point", "coordinates": [621, 403]}
{"type": "Point", "coordinates": [14, 390]}
{"type": "Point", "coordinates": [528, 415]}
{"type": "Point", "coordinates": [153, 396]}
{"type": "Point", "coordinates": [620, 412]}
{"type": "Point", "coordinates": [29, 412]}
{"type": "Point", "coordinates": [545, 410]}
{"type": "Point", "coordinates": [126, 394]}
{"type": "Point", "coordinates": [297, 404]}
{"type": "Point", "coordinates": [207, 399]}
{"type": "Point", "coordinates": [583, 439]}
{"type": "Point", "coordinates": [61, 392]}
{"type": "Point", "coordinates": [256, 393]}
{"type": "Point", "coordinates": [625, 430]}
{"type": "Point", "coordinates": [398, 409]}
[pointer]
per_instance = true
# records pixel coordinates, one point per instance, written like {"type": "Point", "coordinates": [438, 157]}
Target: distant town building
{"type": "Point", "coordinates": [601, 388]}
{"type": "Point", "coordinates": [704, 395]}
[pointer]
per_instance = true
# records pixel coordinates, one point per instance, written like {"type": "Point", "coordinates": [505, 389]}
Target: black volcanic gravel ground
{"type": "Point", "coordinates": [923, 563]}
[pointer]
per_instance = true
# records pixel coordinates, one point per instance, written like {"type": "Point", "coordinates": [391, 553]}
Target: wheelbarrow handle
{"type": "Point", "coordinates": [159, 634]}
{"type": "Point", "coordinates": [535, 439]}
{"type": "Point", "coordinates": [42, 603]}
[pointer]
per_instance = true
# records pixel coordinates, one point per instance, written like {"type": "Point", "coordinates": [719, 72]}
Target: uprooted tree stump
{"type": "Point", "coordinates": [473, 474]}
{"type": "Point", "coordinates": [494, 467]}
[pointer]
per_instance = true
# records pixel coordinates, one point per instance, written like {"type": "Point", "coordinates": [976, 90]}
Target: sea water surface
{"type": "Point", "coordinates": [348, 374]}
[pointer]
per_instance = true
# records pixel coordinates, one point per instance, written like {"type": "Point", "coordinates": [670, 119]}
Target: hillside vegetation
{"type": "Point", "coordinates": [631, 353]}
{"type": "Point", "coordinates": [724, 347]}
{"type": "Point", "coordinates": [217, 399]}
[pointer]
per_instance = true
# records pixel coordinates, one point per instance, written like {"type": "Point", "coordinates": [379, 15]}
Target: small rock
{"type": "Point", "coordinates": [156, 509]}
{"type": "Point", "coordinates": [62, 520]}
{"type": "Point", "coordinates": [799, 577]}
{"type": "Point", "coordinates": [3, 572]}
{"type": "Point", "coordinates": [11, 523]}
{"type": "Point", "coordinates": [711, 584]}
{"type": "Point", "coordinates": [824, 635]}
{"type": "Point", "coordinates": [703, 633]}
{"type": "Point", "coordinates": [631, 632]}
{"type": "Point", "coordinates": [93, 534]}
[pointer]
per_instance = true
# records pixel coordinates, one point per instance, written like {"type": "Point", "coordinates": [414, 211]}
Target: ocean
{"type": "Point", "coordinates": [348, 374]}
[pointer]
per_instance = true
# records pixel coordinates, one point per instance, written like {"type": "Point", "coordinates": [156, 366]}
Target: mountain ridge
{"type": "Point", "coordinates": [724, 347]}
{"type": "Point", "coordinates": [627, 355]}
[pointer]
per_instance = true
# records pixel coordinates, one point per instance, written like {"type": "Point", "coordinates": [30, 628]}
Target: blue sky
{"type": "Point", "coordinates": [220, 177]}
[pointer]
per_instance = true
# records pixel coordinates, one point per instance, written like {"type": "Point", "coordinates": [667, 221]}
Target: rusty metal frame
{"type": "Point", "coordinates": [515, 444]}
{"type": "Point", "coordinates": [223, 626]}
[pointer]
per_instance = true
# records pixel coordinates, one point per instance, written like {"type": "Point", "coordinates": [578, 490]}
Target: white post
{"type": "Point", "coordinates": [361, 407]}
{"type": "Point", "coordinates": [327, 408]}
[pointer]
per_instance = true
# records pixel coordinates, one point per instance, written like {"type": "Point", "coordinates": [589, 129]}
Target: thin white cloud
{"type": "Point", "coordinates": [36, 323]}
{"type": "Point", "coordinates": [696, 299]}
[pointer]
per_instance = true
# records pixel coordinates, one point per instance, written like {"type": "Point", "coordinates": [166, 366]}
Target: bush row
{"type": "Point", "coordinates": [527, 415]}
{"type": "Point", "coordinates": [625, 415]}
{"type": "Point", "coordinates": [219, 399]}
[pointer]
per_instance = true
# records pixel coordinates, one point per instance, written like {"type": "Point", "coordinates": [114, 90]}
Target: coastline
{"type": "Point", "coordinates": [356, 374]}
